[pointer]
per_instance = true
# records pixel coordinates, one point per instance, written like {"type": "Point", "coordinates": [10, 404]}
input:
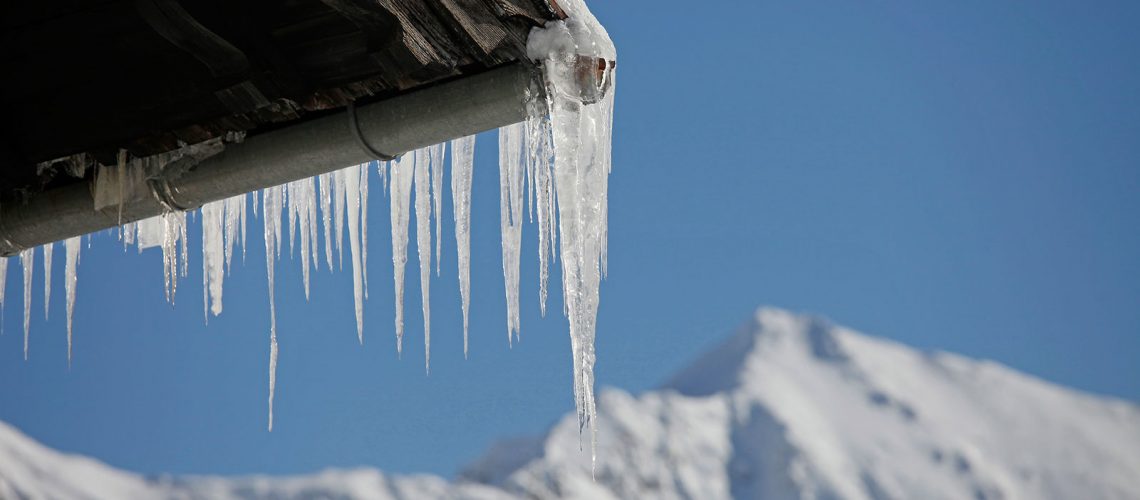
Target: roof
{"type": "Point", "coordinates": [87, 78]}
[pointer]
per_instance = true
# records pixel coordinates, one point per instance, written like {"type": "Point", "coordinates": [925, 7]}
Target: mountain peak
{"type": "Point", "coordinates": [791, 406]}
{"type": "Point", "coordinates": [770, 331]}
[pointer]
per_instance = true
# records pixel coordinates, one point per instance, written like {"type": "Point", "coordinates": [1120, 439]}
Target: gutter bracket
{"type": "Point", "coordinates": [354, 125]}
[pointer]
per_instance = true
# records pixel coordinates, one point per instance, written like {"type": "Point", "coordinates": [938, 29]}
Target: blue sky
{"type": "Point", "coordinates": [963, 177]}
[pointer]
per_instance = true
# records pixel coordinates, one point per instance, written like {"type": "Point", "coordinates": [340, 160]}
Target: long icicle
{"type": "Point", "coordinates": [437, 153]}
{"type": "Point", "coordinates": [350, 178]}
{"type": "Point", "coordinates": [3, 287]}
{"type": "Point", "coordinates": [462, 163]}
{"type": "Point", "coordinates": [326, 214]}
{"type": "Point", "coordinates": [582, 122]}
{"type": "Point", "coordinates": [423, 184]}
{"type": "Point", "coordinates": [70, 282]}
{"type": "Point", "coordinates": [338, 216]}
{"type": "Point", "coordinates": [539, 152]}
{"type": "Point", "coordinates": [48, 251]}
{"type": "Point", "coordinates": [401, 175]}
{"type": "Point", "coordinates": [213, 256]}
{"type": "Point", "coordinates": [271, 206]}
{"type": "Point", "coordinates": [364, 224]}
{"type": "Point", "coordinates": [511, 217]}
{"type": "Point", "coordinates": [28, 260]}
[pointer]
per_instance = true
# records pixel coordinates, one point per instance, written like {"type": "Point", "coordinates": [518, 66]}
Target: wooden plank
{"type": "Point", "coordinates": [170, 20]}
{"type": "Point", "coordinates": [478, 24]}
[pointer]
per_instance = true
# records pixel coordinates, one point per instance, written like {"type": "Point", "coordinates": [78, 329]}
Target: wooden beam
{"type": "Point", "coordinates": [173, 23]}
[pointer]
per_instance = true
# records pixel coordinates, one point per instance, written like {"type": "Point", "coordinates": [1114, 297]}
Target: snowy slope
{"type": "Point", "coordinates": [789, 407]}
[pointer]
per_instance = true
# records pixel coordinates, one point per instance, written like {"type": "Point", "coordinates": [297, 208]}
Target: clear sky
{"type": "Point", "coordinates": [962, 176]}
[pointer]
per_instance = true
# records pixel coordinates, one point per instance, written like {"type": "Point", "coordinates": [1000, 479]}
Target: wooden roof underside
{"type": "Point", "coordinates": [91, 77]}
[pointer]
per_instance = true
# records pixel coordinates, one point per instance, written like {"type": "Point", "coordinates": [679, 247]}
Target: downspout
{"type": "Point", "coordinates": [421, 118]}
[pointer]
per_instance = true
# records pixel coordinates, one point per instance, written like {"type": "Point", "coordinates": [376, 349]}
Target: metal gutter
{"type": "Point", "coordinates": [420, 118]}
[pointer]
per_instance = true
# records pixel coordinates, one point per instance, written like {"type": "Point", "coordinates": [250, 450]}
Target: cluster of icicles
{"type": "Point", "coordinates": [562, 194]}
{"type": "Point", "coordinates": [559, 160]}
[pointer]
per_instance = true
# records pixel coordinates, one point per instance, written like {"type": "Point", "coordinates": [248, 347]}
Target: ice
{"type": "Point", "coordinates": [310, 195]}
{"type": "Point", "coordinates": [70, 281]}
{"type": "Point", "coordinates": [338, 215]}
{"type": "Point", "coordinates": [580, 98]}
{"type": "Point", "coordinates": [150, 232]}
{"type": "Point", "coordinates": [437, 153]}
{"type": "Point", "coordinates": [364, 224]}
{"type": "Point", "coordinates": [28, 261]}
{"type": "Point", "coordinates": [301, 199]}
{"type": "Point", "coordinates": [235, 226]}
{"type": "Point", "coordinates": [511, 216]}
{"type": "Point", "coordinates": [462, 170]}
{"type": "Point", "coordinates": [48, 250]}
{"type": "Point", "coordinates": [326, 214]}
{"type": "Point", "coordinates": [213, 223]}
{"type": "Point", "coordinates": [558, 159]}
{"type": "Point", "coordinates": [174, 242]}
{"type": "Point", "coordinates": [350, 179]}
{"type": "Point", "coordinates": [401, 177]}
{"type": "Point", "coordinates": [423, 183]}
{"type": "Point", "coordinates": [3, 286]}
{"type": "Point", "coordinates": [272, 206]}
{"type": "Point", "coordinates": [539, 152]}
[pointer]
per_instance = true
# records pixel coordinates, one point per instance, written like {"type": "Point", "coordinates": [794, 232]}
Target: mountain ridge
{"type": "Point", "coordinates": [789, 406]}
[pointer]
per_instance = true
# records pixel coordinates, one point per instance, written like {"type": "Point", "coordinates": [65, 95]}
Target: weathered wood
{"type": "Point", "coordinates": [97, 76]}
{"type": "Point", "coordinates": [478, 24]}
{"type": "Point", "coordinates": [170, 20]}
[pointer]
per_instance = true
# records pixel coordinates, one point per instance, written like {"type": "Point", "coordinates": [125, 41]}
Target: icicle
{"type": "Point", "coordinates": [28, 260]}
{"type": "Point", "coordinates": [401, 192]}
{"type": "Point", "coordinates": [437, 153]}
{"type": "Point", "coordinates": [364, 224]}
{"type": "Point", "coordinates": [70, 282]}
{"type": "Point", "coordinates": [301, 201]}
{"type": "Point", "coordinates": [243, 217]}
{"type": "Point", "coordinates": [338, 214]}
{"type": "Point", "coordinates": [234, 226]}
{"type": "Point", "coordinates": [462, 161]}
{"type": "Point", "coordinates": [581, 108]}
{"type": "Point", "coordinates": [350, 179]}
{"type": "Point", "coordinates": [48, 251]}
{"type": "Point", "coordinates": [538, 164]}
{"type": "Point", "coordinates": [213, 256]}
{"type": "Point", "coordinates": [423, 181]}
{"type": "Point", "coordinates": [173, 240]}
{"type": "Point", "coordinates": [311, 204]}
{"type": "Point", "coordinates": [291, 208]}
{"type": "Point", "coordinates": [326, 214]}
{"type": "Point", "coordinates": [382, 170]}
{"type": "Point", "coordinates": [511, 217]}
{"type": "Point", "coordinates": [272, 205]}
{"type": "Point", "coordinates": [3, 286]}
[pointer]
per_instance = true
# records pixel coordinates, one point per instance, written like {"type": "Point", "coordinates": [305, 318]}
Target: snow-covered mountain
{"type": "Point", "coordinates": [789, 407]}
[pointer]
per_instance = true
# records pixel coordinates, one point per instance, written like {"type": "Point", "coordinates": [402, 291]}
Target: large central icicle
{"type": "Point", "coordinates": [577, 57]}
